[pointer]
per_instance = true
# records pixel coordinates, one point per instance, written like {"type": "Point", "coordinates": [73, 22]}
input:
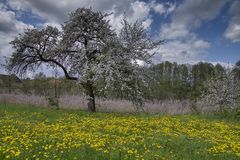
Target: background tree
{"type": "Point", "coordinates": [40, 84]}
{"type": "Point", "coordinates": [221, 91]}
{"type": "Point", "coordinates": [236, 71]}
{"type": "Point", "coordinates": [219, 70]}
{"type": "Point", "coordinates": [88, 50]}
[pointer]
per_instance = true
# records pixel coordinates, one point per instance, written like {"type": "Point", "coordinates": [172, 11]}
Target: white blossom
{"type": "Point", "coordinates": [222, 91]}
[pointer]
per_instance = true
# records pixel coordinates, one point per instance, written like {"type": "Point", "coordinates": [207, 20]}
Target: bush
{"type": "Point", "coordinates": [53, 102]}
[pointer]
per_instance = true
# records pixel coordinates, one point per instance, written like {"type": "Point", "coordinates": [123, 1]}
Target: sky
{"type": "Point", "coordinates": [194, 30]}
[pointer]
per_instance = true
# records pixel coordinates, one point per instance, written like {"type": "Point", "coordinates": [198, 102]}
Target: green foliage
{"type": "Point", "coordinates": [53, 102]}
{"type": "Point", "coordinates": [9, 83]}
{"type": "Point", "coordinates": [236, 71]}
{"type": "Point", "coordinates": [181, 81]}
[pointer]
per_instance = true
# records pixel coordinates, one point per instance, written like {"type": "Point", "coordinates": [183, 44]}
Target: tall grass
{"type": "Point", "coordinates": [103, 105]}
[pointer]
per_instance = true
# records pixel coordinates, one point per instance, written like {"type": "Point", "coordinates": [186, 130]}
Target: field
{"type": "Point", "coordinates": [42, 133]}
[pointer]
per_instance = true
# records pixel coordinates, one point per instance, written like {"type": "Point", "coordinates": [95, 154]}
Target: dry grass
{"type": "Point", "coordinates": [23, 99]}
{"type": "Point", "coordinates": [103, 105]}
{"type": "Point", "coordinates": [169, 107]}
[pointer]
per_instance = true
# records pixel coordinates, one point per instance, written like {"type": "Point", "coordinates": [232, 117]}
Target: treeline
{"type": "Point", "coordinates": [39, 85]}
{"type": "Point", "coordinates": [166, 80]}
{"type": "Point", "coordinates": [181, 81]}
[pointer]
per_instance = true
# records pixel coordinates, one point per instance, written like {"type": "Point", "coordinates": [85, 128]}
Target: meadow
{"type": "Point", "coordinates": [44, 133]}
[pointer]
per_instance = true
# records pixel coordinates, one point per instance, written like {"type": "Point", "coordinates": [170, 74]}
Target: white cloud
{"type": "Point", "coordinates": [115, 21]}
{"type": "Point", "coordinates": [56, 11]}
{"type": "Point", "coordinates": [5, 48]}
{"type": "Point", "coordinates": [201, 44]}
{"type": "Point", "coordinates": [159, 8]}
{"type": "Point", "coordinates": [6, 21]}
{"type": "Point", "coordinates": [137, 11]}
{"type": "Point", "coordinates": [9, 28]}
{"type": "Point", "coordinates": [233, 30]}
{"type": "Point", "coordinates": [183, 44]}
{"type": "Point", "coordinates": [182, 52]}
{"type": "Point", "coordinates": [163, 8]}
{"type": "Point", "coordinates": [174, 31]}
{"type": "Point", "coordinates": [57, 25]}
{"type": "Point", "coordinates": [192, 13]}
{"type": "Point", "coordinates": [189, 15]}
{"type": "Point", "coordinates": [140, 11]}
{"type": "Point", "coordinates": [147, 23]}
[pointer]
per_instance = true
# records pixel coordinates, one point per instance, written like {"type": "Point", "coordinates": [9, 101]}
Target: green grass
{"type": "Point", "coordinates": [44, 133]}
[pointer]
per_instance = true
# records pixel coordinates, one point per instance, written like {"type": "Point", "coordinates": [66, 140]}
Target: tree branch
{"type": "Point", "coordinates": [60, 65]}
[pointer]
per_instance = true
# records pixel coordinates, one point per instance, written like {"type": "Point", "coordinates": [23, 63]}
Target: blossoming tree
{"type": "Point", "coordinates": [88, 49]}
{"type": "Point", "coordinates": [222, 91]}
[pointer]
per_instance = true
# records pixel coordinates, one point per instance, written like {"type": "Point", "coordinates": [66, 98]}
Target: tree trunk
{"type": "Point", "coordinates": [90, 97]}
{"type": "Point", "coordinates": [221, 106]}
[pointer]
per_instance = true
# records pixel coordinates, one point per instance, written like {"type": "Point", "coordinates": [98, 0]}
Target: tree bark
{"type": "Point", "coordinates": [221, 106]}
{"type": "Point", "coordinates": [90, 97]}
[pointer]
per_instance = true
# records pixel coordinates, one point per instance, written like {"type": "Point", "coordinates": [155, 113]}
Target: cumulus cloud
{"type": "Point", "coordinates": [191, 14]}
{"type": "Point", "coordinates": [233, 30]}
{"type": "Point", "coordinates": [201, 44]}
{"type": "Point", "coordinates": [182, 52]}
{"type": "Point", "coordinates": [163, 8]}
{"type": "Point", "coordinates": [58, 10]}
{"type": "Point", "coordinates": [9, 28]}
{"type": "Point", "coordinates": [183, 44]}
{"type": "Point", "coordinates": [147, 23]}
{"type": "Point", "coordinates": [140, 11]}
{"type": "Point", "coordinates": [137, 11]}
{"type": "Point", "coordinates": [6, 23]}
{"type": "Point", "coordinates": [9, 25]}
{"type": "Point", "coordinates": [57, 25]}
{"type": "Point", "coordinates": [173, 31]}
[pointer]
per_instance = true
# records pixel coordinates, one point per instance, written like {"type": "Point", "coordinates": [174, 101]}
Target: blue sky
{"type": "Point", "coordinates": [194, 30]}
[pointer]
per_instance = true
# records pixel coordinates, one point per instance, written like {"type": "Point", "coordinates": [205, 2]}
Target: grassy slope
{"type": "Point", "coordinates": [31, 132]}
